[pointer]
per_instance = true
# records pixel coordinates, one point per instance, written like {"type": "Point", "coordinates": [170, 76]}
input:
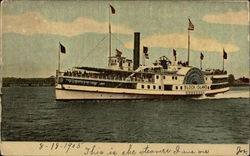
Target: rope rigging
{"type": "Point", "coordinates": [91, 51]}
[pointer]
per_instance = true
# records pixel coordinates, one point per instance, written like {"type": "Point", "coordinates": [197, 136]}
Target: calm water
{"type": "Point", "coordinates": [32, 114]}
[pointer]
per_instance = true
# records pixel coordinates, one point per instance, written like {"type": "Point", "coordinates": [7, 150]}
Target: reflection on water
{"type": "Point", "coordinates": [32, 114]}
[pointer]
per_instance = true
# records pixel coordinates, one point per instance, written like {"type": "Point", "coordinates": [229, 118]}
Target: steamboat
{"type": "Point", "coordinates": [127, 79]}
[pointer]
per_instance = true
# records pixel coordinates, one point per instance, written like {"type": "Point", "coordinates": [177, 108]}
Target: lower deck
{"type": "Point", "coordinates": [79, 92]}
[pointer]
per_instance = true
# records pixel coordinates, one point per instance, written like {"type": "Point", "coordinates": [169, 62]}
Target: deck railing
{"type": "Point", "coordinates": [106, 77]}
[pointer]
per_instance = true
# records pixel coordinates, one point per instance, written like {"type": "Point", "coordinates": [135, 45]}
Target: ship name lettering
{"type": "Point", "coordinates": [201, 86]}
{"type": "Point", "coordinates": [189, 87]}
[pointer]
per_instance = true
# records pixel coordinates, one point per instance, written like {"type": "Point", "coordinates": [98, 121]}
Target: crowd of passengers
{"type": "Point", "coordinates": [112, 76]}
{"type": "Point", "coordinates": [217, 71]}
{"type": "Point", "coordinates": [185, 64]}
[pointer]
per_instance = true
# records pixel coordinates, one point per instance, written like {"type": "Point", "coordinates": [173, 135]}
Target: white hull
{"type": "Point", "coordinates": [75, 92]}
{"type": "Point", "coordinates": [85, 95]}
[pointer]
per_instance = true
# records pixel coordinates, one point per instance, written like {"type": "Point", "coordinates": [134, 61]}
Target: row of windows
{"type": "Point", "coordinates": [149, 87]}
{"type": "Point", "coordinates": [177, 87]}
{"type": "Point", "coordinates": [173, 77]}
{"type": "Point", "coordinates": [157, 77]}
{"type": "Point", "coordinates": [117, 61]}
{"type": "Point", "coordinates": [114, 61]}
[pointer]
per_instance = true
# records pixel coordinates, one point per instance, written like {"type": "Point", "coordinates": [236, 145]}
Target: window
{"type": "Point", "coordinates": [159, 87]}
{"type": "Point", "coordinates": [142, 86]}
{"type": "Point", "coordinates": [176, 78]}
{"type": "Point", "coordinates": [172, 77]}
{"type": "Point", "coordinates": [128, 64]}
{"type": "Point", "coordinates": [167, 87]}
{"type": "Point", "coordinates": [148, 86]}
{"type": "Point", "coordinates": [181, 87]}
{"type": "Point", "coordinates": [176, 87]}
{"type": "Point", "coordinates": [157, 76]}
{"type": "Point", "coordinates": [154, 86]}
{"type": "Point", "coordinates": [164, 77]}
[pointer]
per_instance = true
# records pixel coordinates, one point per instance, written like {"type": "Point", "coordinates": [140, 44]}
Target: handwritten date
{"type": "Point", "coordinates": [67, 146]}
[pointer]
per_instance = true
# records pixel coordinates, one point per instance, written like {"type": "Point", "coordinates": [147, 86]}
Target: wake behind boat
{"type": "Point", "coordinates": [126, 79]}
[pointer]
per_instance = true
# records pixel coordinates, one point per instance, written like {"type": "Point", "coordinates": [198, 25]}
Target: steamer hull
{"type": "Point", "coordinates": [74, 92]}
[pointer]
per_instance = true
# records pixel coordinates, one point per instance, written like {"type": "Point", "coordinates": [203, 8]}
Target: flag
{"type": "Point", "coordinates": [145, 51]}
{"type": "Point", "coordinates": [202, 56]}
{"type": "Point", "coordinates": [190, 25]}
{"type": "Point", "coordinates": [62, 48]}
{"type": "Point", "coordinates": [118, 53]}
{"type": "Point", "coordinates": [112, 9]}
{"type": "Point", "coordinates": [224, 54]}
{"type": "Point", "coordinates": [174, 54]}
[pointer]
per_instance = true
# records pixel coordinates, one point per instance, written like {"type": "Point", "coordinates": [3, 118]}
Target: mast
{"type": "Point", "coordinates": [109, 63]}
{"type": "Point", "coordinates": [223, 60]}
{"type": "Point", "coordinates": [190, 28]}
{"type": "Point", "coordinates": [224, 56]}
{"type": "Point", "coordinates": [59, 57]}
{"type": "Point", "coordinates": [201, 64]}
{"type": "Point", "coordinates": [58, 68]}
{"type": "Point", "coordinates": [188, 46]}
{"type": "Point", "coordinates": [143, 59]}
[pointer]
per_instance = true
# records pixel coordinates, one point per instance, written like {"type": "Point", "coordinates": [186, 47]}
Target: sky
{"type": "Point", "coordinates": [32, 30]}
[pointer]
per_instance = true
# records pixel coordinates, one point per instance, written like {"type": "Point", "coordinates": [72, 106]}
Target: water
{"type": "Point", "coordinates": [32, 114]}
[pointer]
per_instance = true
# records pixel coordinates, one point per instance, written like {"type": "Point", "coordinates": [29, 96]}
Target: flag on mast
{"type": "Point", "coordinates": [145, 51]}
{"type": "Point", "coordinates": [202, 56]}
{"type": "Point", "coordinates": [62, 49]}
{"type": "Point", "coordinates": [224, 54]}
{"type": "Point", "coordinates": [190, 25]}
{"type": "Point", "coordinates": [174, 54]}
{"type": "Point", "coordinates": [112, 9]}
{"type": "Point", "coordinates": [118, 53]}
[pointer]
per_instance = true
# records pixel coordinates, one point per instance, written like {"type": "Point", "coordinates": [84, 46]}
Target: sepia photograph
{"type": "Point", "coordinates": [125, 71]}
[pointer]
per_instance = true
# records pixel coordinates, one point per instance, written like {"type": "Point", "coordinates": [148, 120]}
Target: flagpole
{"type": "Point", "coordinates": [188, 46]}
{"type": "Point", "coordinates": [109, 38]}
{"type": "Point", "coordinates": [223, 61]}
{"type": "Point", "coordinates": [58, 70]}
{"type": "Point", "coordinates": [201, 64]}
{"type": "Point", "coordinates": [59, 58]}
{"type": "Point", "coordinates": [143, 59]}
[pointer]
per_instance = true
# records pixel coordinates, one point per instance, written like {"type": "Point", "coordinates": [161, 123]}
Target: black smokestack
{"type": "Point", "coordinates": [136, 50]}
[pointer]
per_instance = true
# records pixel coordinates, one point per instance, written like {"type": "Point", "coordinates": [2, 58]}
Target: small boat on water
{"type": "Point", "coordinates": [127, 79]}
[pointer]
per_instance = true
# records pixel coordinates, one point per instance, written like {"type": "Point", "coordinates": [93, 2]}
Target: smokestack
{"type": "Point", "coordinates": [136, 50]}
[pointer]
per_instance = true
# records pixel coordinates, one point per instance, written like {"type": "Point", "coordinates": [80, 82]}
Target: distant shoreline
{"type": "Point", "coordinates": [28, 82]}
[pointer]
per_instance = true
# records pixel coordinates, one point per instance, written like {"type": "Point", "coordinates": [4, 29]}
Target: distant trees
{"type": "Point", "coordinates": [231, 79]}
{"type": "Point", "coordinates": [28, 81]}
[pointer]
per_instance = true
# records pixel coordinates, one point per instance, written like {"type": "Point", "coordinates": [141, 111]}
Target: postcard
{"type": "Point", "coordinates": [125, 78]}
